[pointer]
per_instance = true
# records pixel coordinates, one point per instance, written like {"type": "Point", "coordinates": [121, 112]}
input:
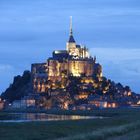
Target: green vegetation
{"type": "Point", "coordinates": [118, 124]}
{"type": "Point", "coordinates": [19, 88]}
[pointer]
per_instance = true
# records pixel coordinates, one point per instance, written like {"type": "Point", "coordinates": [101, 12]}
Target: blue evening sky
{"type": "Point", "coordinates": [31, 29]}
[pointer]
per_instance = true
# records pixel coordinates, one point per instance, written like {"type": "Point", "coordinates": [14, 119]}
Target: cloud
{"type": "Point", "coordinates": [120, 64]}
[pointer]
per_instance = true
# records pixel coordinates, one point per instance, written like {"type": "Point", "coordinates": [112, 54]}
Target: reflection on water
{"type": "Point", "coordinates": [26, 117]}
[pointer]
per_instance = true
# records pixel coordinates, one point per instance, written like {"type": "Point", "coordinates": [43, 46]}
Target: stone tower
{"type": "Point", "coordinates": [71, 44]}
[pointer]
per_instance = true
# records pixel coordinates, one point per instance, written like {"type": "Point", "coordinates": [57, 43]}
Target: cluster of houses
{"type": "Point", "coordinates": [24, 103]}
{"type": "Point", "coordinates": [92, 103]}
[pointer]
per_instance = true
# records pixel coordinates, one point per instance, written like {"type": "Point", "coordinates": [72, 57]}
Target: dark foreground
{"type": "Point", "coordinates": [119, 124]}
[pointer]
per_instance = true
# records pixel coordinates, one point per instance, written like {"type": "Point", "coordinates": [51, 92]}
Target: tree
{"type": "Point", "coordinates": [73, 86]}
{"type": "Point", "coordinates": [19, 88]}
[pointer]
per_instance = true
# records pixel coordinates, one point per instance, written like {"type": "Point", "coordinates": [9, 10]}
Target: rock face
{"type": "Point", "coordinates": [19, 88]}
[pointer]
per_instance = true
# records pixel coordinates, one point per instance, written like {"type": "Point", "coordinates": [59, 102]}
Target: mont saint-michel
{"type": "Point", "coordinates": [70, 79]}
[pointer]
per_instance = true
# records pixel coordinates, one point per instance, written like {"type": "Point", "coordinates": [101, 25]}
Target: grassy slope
{"type": "Point", "coordinates": [134, 135]}
{"type": "Point", "coordinates": [120, 125]}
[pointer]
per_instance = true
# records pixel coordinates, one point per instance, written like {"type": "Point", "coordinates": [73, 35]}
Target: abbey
{"type": "Point", "coordinates": [74, 61]}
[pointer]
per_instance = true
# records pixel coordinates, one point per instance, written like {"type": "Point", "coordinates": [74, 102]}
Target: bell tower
{"type": "Point", "coordinates": [71, 44]}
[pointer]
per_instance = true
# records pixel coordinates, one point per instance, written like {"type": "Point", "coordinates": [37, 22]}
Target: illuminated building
{"type": "Point", "coordinates": [1, 104]}
{"type": "Point", "coordinates": [74, 61]}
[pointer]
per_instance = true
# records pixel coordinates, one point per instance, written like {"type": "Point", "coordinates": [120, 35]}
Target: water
{"type": "Point", "coordinates": [28, 117]}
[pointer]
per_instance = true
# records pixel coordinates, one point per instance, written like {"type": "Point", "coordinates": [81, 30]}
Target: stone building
{"type": "Point", "coordinates": [74, 61]}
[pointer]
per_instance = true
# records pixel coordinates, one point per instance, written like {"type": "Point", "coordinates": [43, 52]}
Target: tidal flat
{"type": "Point", "coordinates": [118, 124]}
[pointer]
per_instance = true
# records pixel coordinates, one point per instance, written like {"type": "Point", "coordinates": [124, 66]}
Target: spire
{"type": "Point", "coordinates": [94, 59]}
{"type": "Point", "coordinates": [71, 39]}
{"type": "Point", "coordinates": [70, 25]}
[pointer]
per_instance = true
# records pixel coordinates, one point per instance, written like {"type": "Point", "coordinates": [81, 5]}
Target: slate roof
{"type": "Point", "coordinates": [71, 39]}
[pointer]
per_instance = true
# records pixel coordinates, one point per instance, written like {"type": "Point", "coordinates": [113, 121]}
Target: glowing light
{"type": "Point", "coordinates": [129, 93]}
{"type": "Point", "coordinates": [138, 103]}
{"type": "Point", "coordinates": [113, 105]}
{"type": "Point", "coordinates": [105, 105]}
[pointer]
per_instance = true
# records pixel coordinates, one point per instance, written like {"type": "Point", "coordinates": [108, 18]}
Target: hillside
{"type": "Point", "coordinates": [19, 88]}
{"type": "Point", "coordinates": [102, 89]}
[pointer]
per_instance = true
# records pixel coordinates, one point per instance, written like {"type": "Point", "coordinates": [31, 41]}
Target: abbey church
{"type": "Point", "coordinates": [74, 61]}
